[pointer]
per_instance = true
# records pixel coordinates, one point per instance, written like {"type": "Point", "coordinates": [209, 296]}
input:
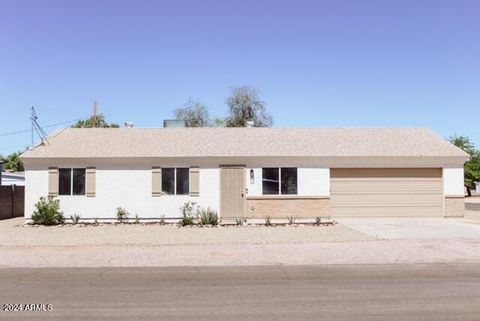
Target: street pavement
{"type": "Point", "coordinates": [330, 292]}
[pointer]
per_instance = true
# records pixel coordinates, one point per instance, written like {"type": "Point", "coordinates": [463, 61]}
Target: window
{"type": "Point", "coordinates": [78, 178]}
{"type": "Point", "coordinates": [289, 180]}
{"type": "Point", "coordinates": [182, 181]}
{"type": "Point", "coordinates": [279, 180]}
{"type": "Point", "coordinates": [71, 181]}
{"type": "Point", "coordinates": [175, 181]}
{"type": "Point", "coordinates": [65, 181]}
{"type": "Point", "coordinates": [168, 181]}
{"type": "Point", "coordinates": [270, 181]}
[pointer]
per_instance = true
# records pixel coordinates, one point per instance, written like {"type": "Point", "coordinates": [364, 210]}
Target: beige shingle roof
{"type": "Point", "coordinates": [239, 142]}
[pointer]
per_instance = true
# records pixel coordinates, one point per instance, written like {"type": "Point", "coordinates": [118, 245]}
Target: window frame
{"type": "Point", "coordinates": [280, 181]}
{"type": "Point", "coordinates": [175, 193]}
{"type": "Point", "coordinates": [71, 169]}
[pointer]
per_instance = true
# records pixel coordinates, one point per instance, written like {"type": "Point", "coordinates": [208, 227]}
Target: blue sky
{"type": "Point", "coordinates": [316, 63]}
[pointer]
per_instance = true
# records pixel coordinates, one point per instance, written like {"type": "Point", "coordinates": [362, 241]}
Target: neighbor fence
{"type": "Point", "coordinates": [12, 201]}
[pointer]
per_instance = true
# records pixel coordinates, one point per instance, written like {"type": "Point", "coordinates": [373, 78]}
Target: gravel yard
{"type": "Point", "coordinates": [356, 252]}
{"type": "Point", "coordinates": [156, 245]}
{"type": "Point", "coordinates": [14, 233]}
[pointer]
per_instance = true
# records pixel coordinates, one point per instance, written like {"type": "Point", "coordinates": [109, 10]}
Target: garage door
{"type": "Point", "coordinates": [387, 192]}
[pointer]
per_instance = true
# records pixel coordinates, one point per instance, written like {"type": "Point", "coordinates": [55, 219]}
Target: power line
{"type": "Point", "coordinates": [47, 126]}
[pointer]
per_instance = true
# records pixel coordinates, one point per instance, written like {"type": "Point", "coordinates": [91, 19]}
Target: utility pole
{"type": "Point", "coordinates": [94, 114]}
{"type": "Point", "coordinates": [33, 118]}
{"type": "Point", "coordinates": [37, 128]}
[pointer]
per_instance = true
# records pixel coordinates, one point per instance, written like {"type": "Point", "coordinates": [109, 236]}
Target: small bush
{"type": "Point", "coordinates": [188, 211]}
{"type": "Point", "coordinates": [240, 221]}
{"type": "Point", "coordinates": [291, 219]}
{"type": "Point", "coordinates": [318, 220]}
{"type": "Point", "coordinates": [75, 218]}
{"type": "Point", "coordinates": [48, 212]}
{"type": "Point", "coordinates": [137, 219]}
{"type": "Point", "coordinates": [268, 221]}
{"type": "Point", "coordinates": [187, 220]}
{"type": "Point", "coordinates": [95, 221]}
{"type": "Point", "coordinates": [122, 215]}
{"type": "Point", "coordinates": [207, 217]}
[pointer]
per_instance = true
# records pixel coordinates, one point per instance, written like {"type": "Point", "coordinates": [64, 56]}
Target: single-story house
{"type": "Point", "coordinates": [248, 172]}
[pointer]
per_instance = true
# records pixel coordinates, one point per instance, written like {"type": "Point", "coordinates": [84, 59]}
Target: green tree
{"type": "Point", "coordinates": [100, 122]}
{"type": "Point", "coordinates": [471, 167]}
{"type": "Point", "coordinates": [194, 113]}
{"type": "Point", "coordinates": [244, 106]}
{"type": "Point", "coordinates": [13, 162]}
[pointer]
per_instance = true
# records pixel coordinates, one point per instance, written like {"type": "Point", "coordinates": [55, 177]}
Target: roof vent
{"type": "Point", "coordinates": [250, 124]}
{"type": "Point", "coordinates": [174, 123]}
{"type": "Point", "coordinates": [128, 124]}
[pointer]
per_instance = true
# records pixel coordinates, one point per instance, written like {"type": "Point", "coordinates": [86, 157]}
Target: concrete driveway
{"type": "Point", "coordinates": [414, 228]}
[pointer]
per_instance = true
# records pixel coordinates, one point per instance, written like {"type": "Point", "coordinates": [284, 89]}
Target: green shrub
{"type": "Point", "coordinates": [187, 220]}
{"type": "Point", "coordinates": [188, 211]}
{"type": "Point", "coordinates": [48, 212]}
{"type": "Point", "coordinates": [122, 215]}
{"type": "Point", "coordinates": [207, 217]}
{"type": "Point", "coordinates": [75, 218]}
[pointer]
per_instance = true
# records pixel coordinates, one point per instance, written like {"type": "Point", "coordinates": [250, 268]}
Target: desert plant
{"type": "Point", "coordinates": [318, 220]}
{"type": "Point", "coordinates": [207, 217]}
{"type": "Point", "coordinates": [291, 219]}
{"type": "Point", "coordinates": [268, 221]}
{"type": "Point", "coordinates": [122, 215]}
{"type": "Point", "coordinates": [187, 220]}
{"type": "Point", "coordinates": [95, 221]}
{"type": "Point", "coordinates": [188, 213]}
{"type": "Point", "coordinates": [75, 218]}
{"type": "Point", "coordinates": [239, 221]}
{"type": "Point", "coordinates": [189, 208]}
{"type": "Point", "coordinates": [48, 212]}
{"type": "Point", "coordinates": [137, 219]}
{"type": "Point", "coordinates": [162, 219]}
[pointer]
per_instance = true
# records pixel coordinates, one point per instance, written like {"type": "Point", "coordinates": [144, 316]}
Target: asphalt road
{"type": "Point", "coordinates": [379, 292]}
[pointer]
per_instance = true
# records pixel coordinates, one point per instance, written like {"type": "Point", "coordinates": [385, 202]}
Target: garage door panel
{"type": "Point", "coordinates": [386, 192]}
{"type": "Point", "coordinates": [386, 200]}
{"type": "Point", "coordinates": [386, 172]}
{"type": "Point", "coordinates": [374, 187]}
{"type": "Point", "coordinates": [394, 211]}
